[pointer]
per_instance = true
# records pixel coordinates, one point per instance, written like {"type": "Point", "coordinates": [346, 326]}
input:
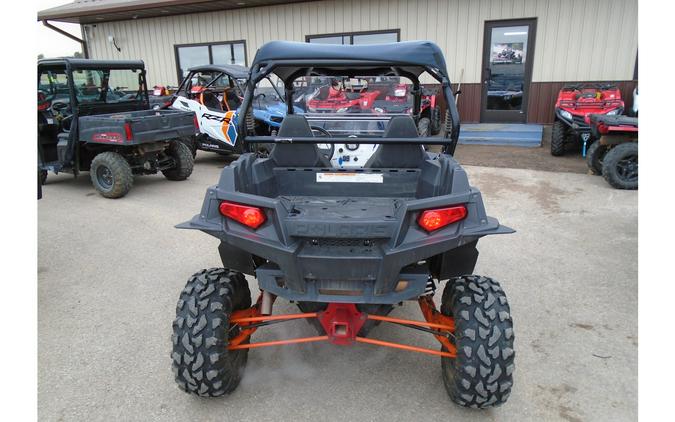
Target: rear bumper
{"type": "Point", "coordinates": [412, 283]}
{"type": "Point", "coordinates": [334, 260]}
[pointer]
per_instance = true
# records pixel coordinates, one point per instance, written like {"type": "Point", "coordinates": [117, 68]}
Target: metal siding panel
{"type": "Point", "coordinates": [392, 11]}
{"type": "Point", "coordinates": [474, 47]}
{"type": "Point", "coordinates": [553, 17]}
{"type": "Point", "coordinates": [567, 32]}
{"type": "Point", "coordinates": [565, 27]}
{"type": "Point", "coordinates": [168, 56]}
{"type": "Point", "coordinates": [156, 55]}
{"type": "Point", "coordinates": [588, 37]}
{"type": "Point", "coordinates": [411, 13]}
{"type": "Point", "coordinates": [447, 33]}
{"type": "Point", "coordinates": [460, 41]}
{"type": "Point", "coordinates": [297, 21]}
{"type": "Point", "coordinates": [614, 48]}
{"type": "Point", "coordinates": [600, 40]}
{"type": "Point", "coordinates": [266, 24]}
{"type": "Point", "coordinates": [328, 10]}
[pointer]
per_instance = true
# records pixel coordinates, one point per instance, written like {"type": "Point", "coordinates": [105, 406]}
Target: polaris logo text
{"type": "Point", "coordinates": [339, 230]}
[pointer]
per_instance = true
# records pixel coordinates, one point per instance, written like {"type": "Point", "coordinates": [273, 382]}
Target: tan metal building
{"type": "Point", "coordinates": [530, 47]}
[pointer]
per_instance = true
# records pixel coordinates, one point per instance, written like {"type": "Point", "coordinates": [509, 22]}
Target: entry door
{"type": "Point", "coordinates": [507, 70]}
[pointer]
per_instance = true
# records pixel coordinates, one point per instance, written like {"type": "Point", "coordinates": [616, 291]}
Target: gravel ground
{"type": "Point", "coordinates": [110, 271]}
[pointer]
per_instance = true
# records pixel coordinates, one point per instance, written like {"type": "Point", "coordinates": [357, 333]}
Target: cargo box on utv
{"type": "Point", "coordinates": [136, 127]}
{"type": "Point", "coordinates": [94, 115]}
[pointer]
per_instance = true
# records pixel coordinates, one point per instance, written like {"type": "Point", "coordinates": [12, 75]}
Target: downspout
{"type": "Point", "coordinates": [83, 43]}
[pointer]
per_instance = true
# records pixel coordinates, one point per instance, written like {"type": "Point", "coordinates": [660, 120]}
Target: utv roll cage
{"type": "Point", "coordinates": [73, 64]}
{"type": "Point", "coordinates": [291, 60]}
{"type": "Point", "coordinates": [235, 72]}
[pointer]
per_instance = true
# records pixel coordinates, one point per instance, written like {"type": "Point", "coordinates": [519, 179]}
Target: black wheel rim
{"type": "Point", "coordinates": [627, 168]}
{"type": "Point", "coordinates": [104, 177]}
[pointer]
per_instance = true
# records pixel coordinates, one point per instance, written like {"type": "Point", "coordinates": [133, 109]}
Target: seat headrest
{"type": "Point", "coordinates": [297, 155]}
{"type": "Point", "coordinates": [401, 127]}
{"type": "Point", "coordinates": [295, 125]}
{"type": "Point", "coordinates": [398, 155]}
{"type": "Point", "coordinates": [210, 101]}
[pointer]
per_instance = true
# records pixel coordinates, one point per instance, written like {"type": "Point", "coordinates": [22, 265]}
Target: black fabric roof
{"type": "Point", "coordinates": [411, 56]}
{"type": "Point", "coordinates": [93, 64]}
{"type": "Point", "coordinates": [234, 70]}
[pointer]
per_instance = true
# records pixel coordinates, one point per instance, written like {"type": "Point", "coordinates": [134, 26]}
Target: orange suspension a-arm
{"type": "Point", "coordinates": [249, 319]}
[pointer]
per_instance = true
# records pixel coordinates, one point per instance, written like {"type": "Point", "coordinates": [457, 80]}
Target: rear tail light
{"type": "Point", "coordinates": [431, 220]}
{"type": "Point", "coordinates": [127, 131]}
{"type": "Point", "coordinates": [247, 215]}
{"type": "Point", "coordinates": [195, 122]}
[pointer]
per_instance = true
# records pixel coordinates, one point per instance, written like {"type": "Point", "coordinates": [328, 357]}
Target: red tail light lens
{"type": "Point", "coordinates": [195, 122]}
{"type": "Point", "coordinates": [247, 215]}
{"type": "Point", "coordinates": [127, 131]}
{"type": "Point", "coordinates": [431, 220]}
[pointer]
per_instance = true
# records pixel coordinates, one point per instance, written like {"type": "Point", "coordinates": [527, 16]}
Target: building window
{"type": "Point", "coordinates": [191, 55]}
{"type": "Point", "coordinates": [368, 37]}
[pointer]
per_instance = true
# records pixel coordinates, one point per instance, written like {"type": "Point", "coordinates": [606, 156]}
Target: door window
{"type": "Point", "coordinates": [53, 84]}
{"type": "Point", "coordinates": [192, 56]}
{"type": "Point", "coordinates": [507, 59]}
{"type": "Point", "coordinates": [375, 37]}
{"type": "Point", "coordinates": [221, 53]}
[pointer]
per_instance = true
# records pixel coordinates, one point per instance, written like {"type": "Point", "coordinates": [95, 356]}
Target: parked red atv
{"type": "Point", "coordinates": [575, 103]}
{"type": "Point", "coordinates": [614, 154]}
{"type": "Point", "coordinates": [160, 97]}
{"type": "Point", "coordinates": [380, 97]}
{"type": "Point", "coordinates": [398, 100]}
{"type": "Point", "coordinates": [338, 98]}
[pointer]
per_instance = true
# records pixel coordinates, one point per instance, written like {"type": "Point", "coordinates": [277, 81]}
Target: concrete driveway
{"type": "Point", "coordinates": [110, 271]}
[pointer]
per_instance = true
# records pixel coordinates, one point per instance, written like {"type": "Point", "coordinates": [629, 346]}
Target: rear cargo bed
{"type": "Point", "coordinates": [136, 127]}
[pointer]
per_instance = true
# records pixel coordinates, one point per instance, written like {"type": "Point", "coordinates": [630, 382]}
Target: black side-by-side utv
{"type": "Point", "coordinates": [347, 245]}
{"type": "Point", "coordinates": [95, 116]}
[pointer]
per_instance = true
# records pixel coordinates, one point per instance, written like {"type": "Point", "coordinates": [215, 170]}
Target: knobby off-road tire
{"type": "Point", "coordinates": [482, 373]}
{"type": "Point", "coordinates": [191, 144]}
{"type": "Point", "coordinates": [558, 138]}
{"type": "Point", "coordinates": [182, 155]}
{"type": "Point", "coordinates": [202, 365]}
{"type": "Point", "coordinates": [619, 167]}
{"type": "Point", "coordinates": [594, 157]}
{"type": "Point", "coordinates": [424, 127]}
{"type": "Point", "coordinates": [111, 175]}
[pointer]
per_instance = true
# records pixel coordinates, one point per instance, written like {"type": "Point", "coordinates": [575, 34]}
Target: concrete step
{"type": "Point", "coordinates": [505, 134]}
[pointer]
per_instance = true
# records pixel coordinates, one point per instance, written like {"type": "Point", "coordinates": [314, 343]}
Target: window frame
{"type": "Point", "coordinates": [351, 35]}
{"type": "Point", "coordinates": [176, 47]}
